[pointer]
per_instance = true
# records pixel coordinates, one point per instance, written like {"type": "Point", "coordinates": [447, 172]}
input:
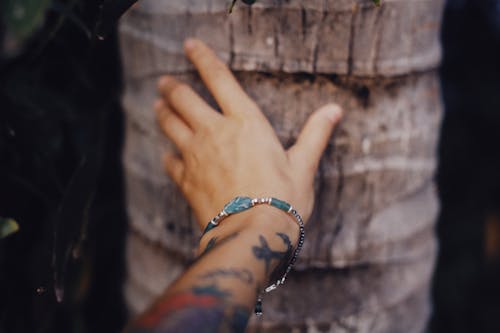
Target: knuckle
{"type": "Point", "coordinates": [211, 127]}
{"type": "Point", "coordinates": [218, 69]}
{"type": "Point", "coordinates": [177, 90]}
{"type": "Point", "coordinates": [238, 121]}
{"type": "Point", "coordinates": [158, 105]}
{"type": "Point", "coordinates": [184, 187]}
{"type": "Point", "coordinates": [165, 118]}
{"type": "Point", "coordinates": [207, 131]}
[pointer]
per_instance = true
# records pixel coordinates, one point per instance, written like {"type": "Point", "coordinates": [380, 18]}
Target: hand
{"type": "Point", "coordinates": [236, 152]}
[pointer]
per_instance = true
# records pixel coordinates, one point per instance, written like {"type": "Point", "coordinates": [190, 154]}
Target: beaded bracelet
{"type": "Point", "coordinates": [240, 204]}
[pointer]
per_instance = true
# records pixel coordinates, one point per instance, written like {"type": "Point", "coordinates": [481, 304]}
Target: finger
{"type": "Point", "coordinates": [313, 139]}
{"type": "Point", "coordinates": [174, 167]}
{"type": "Point", "coordinates": [191, 107]}
{"type": "Point", "coordinates": [173, 126]}
{"type": "Point", "coordinates": [218, 78]}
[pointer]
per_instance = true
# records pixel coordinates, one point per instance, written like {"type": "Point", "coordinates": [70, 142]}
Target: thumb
{"type": "Point", "coordinates": [313, 139]}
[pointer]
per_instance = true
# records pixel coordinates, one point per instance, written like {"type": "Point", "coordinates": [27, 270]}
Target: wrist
{"type": "Point", "coordinates": [261, 219]}
{"type": "Point", "coordinates": [270, 220]}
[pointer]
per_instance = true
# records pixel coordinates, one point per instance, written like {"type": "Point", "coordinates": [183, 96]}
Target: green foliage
{"type": "Point", "coordinates": [23, 17]}
{"type": "Point", "coordinates": [376, 2]}
{"type": "Point", "coordinates": [8, 226]}
{"type": "Point", "coordinates": [59, 90]}
{"type": "Point", "coordinates": [248, 2]}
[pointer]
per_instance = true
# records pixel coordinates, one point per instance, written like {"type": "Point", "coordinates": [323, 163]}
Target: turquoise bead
{"type": "Point", "coordinates": [209, 227]}
{"type": "Point", "coordinates": [238, 204]}
{"type": "Point", "coordinates": [280, 204]}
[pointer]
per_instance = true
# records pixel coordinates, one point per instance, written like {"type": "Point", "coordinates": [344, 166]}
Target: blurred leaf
{"type": "Point", "coordinates": [231, 6]}
{"type": "Point", "coordinates": [376, 2]}
{"type": "Point", "coordinates": [23, 17]}
{"type": "Point", "coordinates": [8, 226]}
{"type": "Point", "coordinates": [66, 12]}
{"type": "Point", "coordinates": [77, 199]}
{"type": "Point", "coordinates": [72, 218]}
{"type": "Point", "coordinates": [248, 2]}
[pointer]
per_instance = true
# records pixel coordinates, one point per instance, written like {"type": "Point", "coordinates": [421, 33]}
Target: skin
{"type": "Point", "coordinates": [220, 156]}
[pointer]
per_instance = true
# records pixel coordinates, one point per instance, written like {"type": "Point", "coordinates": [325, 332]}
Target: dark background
{"type": "Point", "coordinates": [60, 172]}
{"type": "Point", "coordinates": [467, 280]}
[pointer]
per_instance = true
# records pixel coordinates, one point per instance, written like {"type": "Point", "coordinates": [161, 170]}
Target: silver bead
{"type": "Point", "coordinates": [270, 288]}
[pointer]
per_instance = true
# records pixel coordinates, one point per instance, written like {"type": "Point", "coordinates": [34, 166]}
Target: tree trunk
{"type": "Point", "coordinates": [370, 246]}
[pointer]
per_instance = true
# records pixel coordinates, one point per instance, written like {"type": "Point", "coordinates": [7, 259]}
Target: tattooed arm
{"type": "Point", "coordinates": [222, 155]}
{"type": "Point", "coordinates": [218, 292]}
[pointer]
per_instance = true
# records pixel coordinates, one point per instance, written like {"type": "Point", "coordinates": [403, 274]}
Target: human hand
{"type": "Point", "coordinates": [236, 152]}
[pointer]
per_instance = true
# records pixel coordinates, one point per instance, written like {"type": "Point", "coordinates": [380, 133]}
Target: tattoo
{"type": "Point", "coordinates": [201, 309]}
{"type": "Point", "coordinates": [265, 253]}
{"type": "Point", "coordinates": [205, 307]}
{"type": "Point", "coordinates": [243, 275]}
{"type": "Point", "coordinates": [279, 270]}
{"type": "Point", "coordinates": [212, 243]}
{"type": "Point", "coordinates": [211, 289]}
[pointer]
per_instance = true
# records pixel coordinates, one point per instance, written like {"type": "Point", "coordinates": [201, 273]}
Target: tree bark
{"type": "Point", "coordinates": [370, 247]}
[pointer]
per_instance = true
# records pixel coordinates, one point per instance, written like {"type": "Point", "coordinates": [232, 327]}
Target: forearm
{"type": "Point", "coordinates": [218, 292]}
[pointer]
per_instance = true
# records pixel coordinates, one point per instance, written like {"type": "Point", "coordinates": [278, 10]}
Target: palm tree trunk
{"type": "Point", "coordinates": [370, 247]}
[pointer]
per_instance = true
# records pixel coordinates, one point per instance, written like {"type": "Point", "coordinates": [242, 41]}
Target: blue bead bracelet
{"type": "Point", "coordinates": [240, 204]}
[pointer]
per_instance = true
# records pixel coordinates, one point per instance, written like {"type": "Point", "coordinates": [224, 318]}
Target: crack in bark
{"type": "Point", "coordinates": [318, 211]}
{"type": "Point", "coordinates": [378, 38]}
{"type": "Point", "coordinates": [303, 20]}
{"type": "Point", "coordinates": [232, 53]}
{"type": "Point", "coordinates": [249, 20]}
{"type": "Point", "coordinates": [336, 204]}
{"type": "Point", "coordinates": [350, 57]}
{"type": "Point", "coordinates": [324, 14]}
{"type": "Point", "coordinates": [276, 42]}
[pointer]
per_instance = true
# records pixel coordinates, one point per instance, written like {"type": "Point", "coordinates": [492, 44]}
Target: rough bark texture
{"type": "Point", "coordinates": [313, 36]}
{"type": "Point", "coordinates": [370, 244]}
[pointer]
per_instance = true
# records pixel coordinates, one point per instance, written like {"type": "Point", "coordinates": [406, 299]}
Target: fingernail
{"type": "Point", "coordinates": [333, 112]}
{"type": "Point", "coordinates": [189, 44]}
{"type": "Point", "coordinates": [162, 81]}
{"type": "Point", "coordinates": [157, 105]}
